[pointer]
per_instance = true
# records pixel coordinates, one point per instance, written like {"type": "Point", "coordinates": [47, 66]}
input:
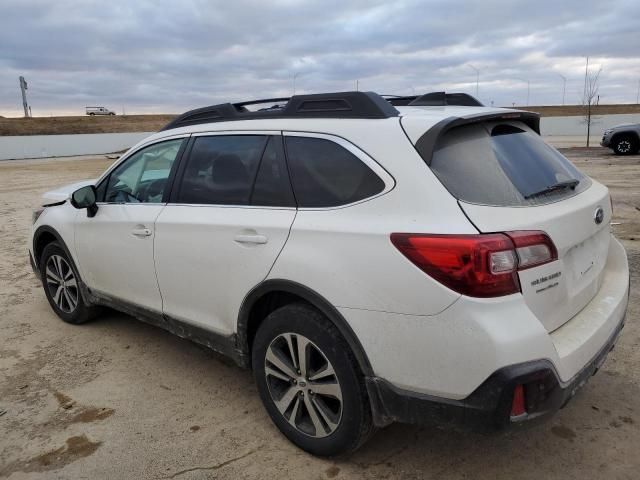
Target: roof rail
{"type": "Point", "coordinates": [323, 105]}
{"type": "Point", "coordinates": [436, 99]}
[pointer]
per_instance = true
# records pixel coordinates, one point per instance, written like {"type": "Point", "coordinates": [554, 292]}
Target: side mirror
{"type": "Point", "coordinates": [85, 197]}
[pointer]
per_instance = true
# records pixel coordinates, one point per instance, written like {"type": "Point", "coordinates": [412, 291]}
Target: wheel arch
{"type": "Point", "coordinates": [271, 294]}
{"type": "Point", "coordinates": [631, 133]}
{"type": "Point", "coordinates": [43, 236]}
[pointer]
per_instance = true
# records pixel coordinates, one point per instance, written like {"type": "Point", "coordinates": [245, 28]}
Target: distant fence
{"type": "Point", "coordinates": [39, 146]}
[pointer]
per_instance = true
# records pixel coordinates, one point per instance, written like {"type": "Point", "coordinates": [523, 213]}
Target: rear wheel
{"type": "Point", "coordinates": [61, 284]}
{"type": "Point", "coordinates": [625, 145]}
{"type": "Point", "coordinates": [309, 381]}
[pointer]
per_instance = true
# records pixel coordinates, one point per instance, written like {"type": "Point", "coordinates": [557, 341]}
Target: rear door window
{"type": "Point", "coordinates": [273, 187]}
{"type": "Point", "coordinates": [221, 169]}
{"type": "Point", "coordinates": [325, 174]}
{"type": "Point", "coordinates": [503, 164]}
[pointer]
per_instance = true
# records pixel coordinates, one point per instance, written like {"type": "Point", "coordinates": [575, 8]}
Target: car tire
{"type": "Point", "coordinates": [325, 409]}
{"type": "Point", "coordinates": [91, 114]}
{"type": "Point", "coordinates": [61, 284]}
{"type": "Point", "coordinates": [625, 145]}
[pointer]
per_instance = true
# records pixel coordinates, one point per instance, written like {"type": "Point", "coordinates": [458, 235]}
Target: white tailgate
{"type": "Point", "coordinates": [557, 291]}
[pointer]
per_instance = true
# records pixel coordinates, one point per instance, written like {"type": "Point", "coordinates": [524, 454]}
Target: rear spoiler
{"type": "Point", "coordinates": [428, 141]}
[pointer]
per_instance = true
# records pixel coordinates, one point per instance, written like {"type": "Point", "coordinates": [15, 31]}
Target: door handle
{"type": "Point", "coordinates": [141, 232]}
{"type": "Point", "coordinates": [259, 239]}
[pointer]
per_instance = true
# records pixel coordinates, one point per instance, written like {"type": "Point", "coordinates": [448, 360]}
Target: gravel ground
{"type": "Point", "coordinates": [120, 399]}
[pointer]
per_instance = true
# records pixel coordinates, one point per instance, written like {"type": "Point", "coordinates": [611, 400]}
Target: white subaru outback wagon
{"type": "Point", "coordinates": [372, 260]}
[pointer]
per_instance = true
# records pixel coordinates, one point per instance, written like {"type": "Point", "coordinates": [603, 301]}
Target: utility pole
{"type": "Point", "coordinates": [586, 72]}
{"type": "Point", "coordinates": [477, 77]}
{"type": "Point", "coordinates": [638, 94]}
{"type": "Point", "coordinates": [357, 85]}
{"type": "Point", "coordinates": [25, 105]}
{"type": "Point", "coordinates": [295, 75]}
{"type": "Point", "coordinates": [528, 87]}
{"type": "Point", "coordinates": [564, 86]}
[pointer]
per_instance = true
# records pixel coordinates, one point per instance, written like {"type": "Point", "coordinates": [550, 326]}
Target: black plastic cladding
{"type": "Point", "coordinates": [324, 105]}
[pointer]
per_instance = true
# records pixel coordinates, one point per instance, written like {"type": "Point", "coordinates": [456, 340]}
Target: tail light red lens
{"type": "Point", "coordinates": [484, 265]}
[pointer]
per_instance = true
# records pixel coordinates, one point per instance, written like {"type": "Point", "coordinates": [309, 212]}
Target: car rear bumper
{"type": "Point", "coordinates": [488, 408]}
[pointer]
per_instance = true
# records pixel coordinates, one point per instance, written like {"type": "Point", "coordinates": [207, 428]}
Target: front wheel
{"type": "Point", "coordinates": [625, 145]}
{"type": "Point", "coordinates": [310, 383]}
{"type": "Point", "coordinates": [61, 284]}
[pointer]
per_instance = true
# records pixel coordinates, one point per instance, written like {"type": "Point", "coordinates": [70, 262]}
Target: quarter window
{"type": "Point", "coordinates": [142, 178]}
{"type": "Point", "coordinates": [325, 174]}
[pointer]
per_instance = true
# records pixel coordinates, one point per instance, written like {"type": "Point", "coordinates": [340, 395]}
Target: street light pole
{"type": "Point", "coordinates": [564, 86]}
{"type": "Point", "coordinates": [477, 77]}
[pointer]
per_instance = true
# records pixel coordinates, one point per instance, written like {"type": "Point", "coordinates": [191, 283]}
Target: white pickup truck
{"type": "Point", "coordinates": [98, 111]}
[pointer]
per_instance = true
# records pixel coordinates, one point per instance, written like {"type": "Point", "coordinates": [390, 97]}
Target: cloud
{"type": "Point", "coordinates": [149, 56]}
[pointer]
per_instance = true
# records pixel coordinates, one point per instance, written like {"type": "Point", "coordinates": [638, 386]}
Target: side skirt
{"type": "Point", "coordinates": [224, 345]}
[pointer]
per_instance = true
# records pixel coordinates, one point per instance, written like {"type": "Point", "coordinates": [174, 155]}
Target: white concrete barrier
{"type": "Point", "coordinates": [38, 146]}
{"type": "Point", "coordinates": [571, 126]}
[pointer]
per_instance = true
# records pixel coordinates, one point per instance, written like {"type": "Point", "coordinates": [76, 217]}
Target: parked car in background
{"type": "Point", "coordinates": [622, 139]}
{"type": "Point", "coordinates": [99, 111]}
{"type": "Point", "coordinates": [410, 259]}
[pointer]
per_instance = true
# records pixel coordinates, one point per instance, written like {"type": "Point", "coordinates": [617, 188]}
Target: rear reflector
{"type": "Point", "coordinates": [517, 405]}
{"type": "Point", "coordinates": [484, 265]}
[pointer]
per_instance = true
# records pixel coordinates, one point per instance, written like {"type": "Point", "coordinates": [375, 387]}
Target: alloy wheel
{"type": "Point", "coordinates": [624, 146]}
{"type": "Point", "coordinates": [62, 283]}
{"type": "Point", "coordinates": [303, 385]}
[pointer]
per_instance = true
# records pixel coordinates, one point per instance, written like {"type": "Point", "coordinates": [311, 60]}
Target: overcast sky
{"type": "Point", "coordinates": [155, 56]}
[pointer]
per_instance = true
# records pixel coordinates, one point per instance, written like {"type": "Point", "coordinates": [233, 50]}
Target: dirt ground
{"type": "Point", "coordinates": [119, 399]}
{"type": "Point", "coordinates": [83, 124]}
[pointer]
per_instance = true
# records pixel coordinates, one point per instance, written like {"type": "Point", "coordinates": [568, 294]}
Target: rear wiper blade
{"type": "Point", "coordinates": [572, 184]}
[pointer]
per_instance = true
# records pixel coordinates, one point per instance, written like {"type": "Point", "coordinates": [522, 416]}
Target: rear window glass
{"type": "Point", "coordinates": [324, 174]}
{"type": "Point", "coordinates": [503, 164]}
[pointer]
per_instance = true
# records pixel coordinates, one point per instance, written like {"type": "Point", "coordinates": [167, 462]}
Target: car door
{"type": "Point", "coordinates": [115, 247]}
{"type": "Point", "coordinates": [227, 220]}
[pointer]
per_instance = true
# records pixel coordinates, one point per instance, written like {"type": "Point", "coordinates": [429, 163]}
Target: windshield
{"type": "Point", "coordinates": [504, 164]}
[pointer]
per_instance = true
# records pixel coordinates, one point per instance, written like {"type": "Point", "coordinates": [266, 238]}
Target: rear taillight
{"type": "Point", "coordinates": [533, 248]}
{"type": "Point", "coordinates": [484, 265]}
